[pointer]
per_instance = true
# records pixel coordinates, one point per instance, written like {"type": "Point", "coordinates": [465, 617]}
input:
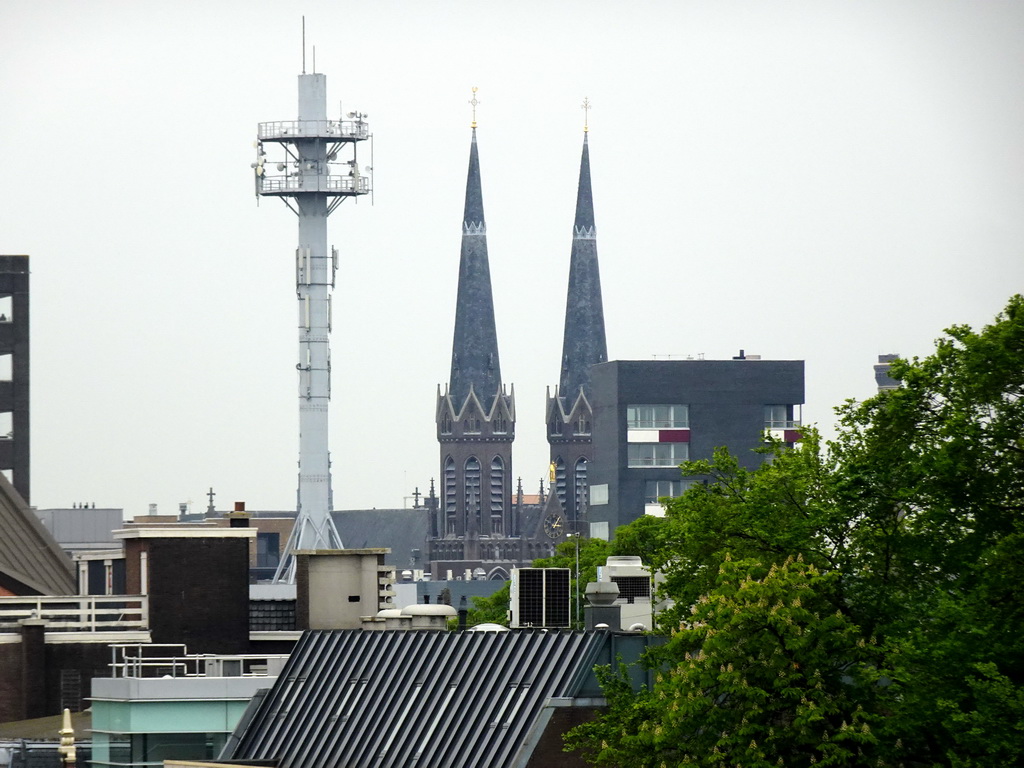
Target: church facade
{"type": "Point", "coordinates": [478, 522]}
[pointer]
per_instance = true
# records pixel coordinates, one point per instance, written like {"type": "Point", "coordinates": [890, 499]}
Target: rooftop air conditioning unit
{"type": "Point", "coordinates": [634, 581]}
{"type": "Point", "coordinates": [540, 598]}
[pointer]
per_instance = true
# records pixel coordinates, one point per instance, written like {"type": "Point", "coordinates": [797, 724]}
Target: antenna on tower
{"type": "Point", "coordinates": [314, 59]}
{"type": "Point", "coordinates": [305, 183]}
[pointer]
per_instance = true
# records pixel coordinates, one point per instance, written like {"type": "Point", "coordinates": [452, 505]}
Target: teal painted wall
{"type": "Point", "coordinates": [166, 716]}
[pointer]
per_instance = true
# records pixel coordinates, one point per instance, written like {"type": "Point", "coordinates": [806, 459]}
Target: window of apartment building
{"type": "Point", "coordinates": [268, 549]}
{"type": "Point", "coordinates": [779, 417]}
{"type": "Point", "coordinates": [657, 454]}
{"type": "Point", "coordinates": [658, 416]}
{"type": "Point", "coordinates": [658, 489]}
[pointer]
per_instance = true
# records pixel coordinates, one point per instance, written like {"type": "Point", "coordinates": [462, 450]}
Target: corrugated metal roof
{"type": "Point", "coordinates": [29, 555]}
{"type": "Point", "coordinates": [355, 699]}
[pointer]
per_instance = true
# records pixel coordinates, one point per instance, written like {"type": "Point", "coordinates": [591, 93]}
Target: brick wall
{"type": "Point", "coordinates": [10, 682]}
{"type": "Point", "coordinates": [199, 593]}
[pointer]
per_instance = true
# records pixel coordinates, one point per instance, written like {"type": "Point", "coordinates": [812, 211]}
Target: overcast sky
{"type": "Point", "coordinates": [815, 180]}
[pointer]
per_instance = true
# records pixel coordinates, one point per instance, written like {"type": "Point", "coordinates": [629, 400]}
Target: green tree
{"type": "Point", "coordinates": [763, 668]}
{"type": "Point", "coordinates": [904, 534]}
{"type": "Point", "coordinates": [942, 458]}
{"type": "Point", "coordinates": [490, 610]}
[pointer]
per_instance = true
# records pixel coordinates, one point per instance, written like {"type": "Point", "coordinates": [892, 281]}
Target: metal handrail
{"type": "Point", "coordinates": [782, 424]}
{"type": "Point", "coordinates": [657, 424]}
{"type": "Point", "coordinates": [356, 185]}
{"type": "Point", "coordinates": [135, 662]}
{"type": "Point", "coordinates": [313, 129]}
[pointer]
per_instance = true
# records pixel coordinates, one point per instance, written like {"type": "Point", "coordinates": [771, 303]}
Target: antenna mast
{"type": "Point", "coordinates": [313, 181]}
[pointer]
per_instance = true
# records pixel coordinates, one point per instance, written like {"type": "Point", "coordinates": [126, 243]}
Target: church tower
{"type": "Point", "coordinates": [475, 414]}
{"type": "Point", "coordinates": [569, 412]}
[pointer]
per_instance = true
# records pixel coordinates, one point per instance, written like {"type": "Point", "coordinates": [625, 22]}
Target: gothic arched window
{"type": "Point", "coordinates": [580, 487]}
{"type": "Point", "coordinates": [450, 503]}
{"type": "Point", "coordinates": [560, 479]}
{"type": "Point", "coordinates": [472, 488]}
{"type": "Point", "coordinates": [497, 494]}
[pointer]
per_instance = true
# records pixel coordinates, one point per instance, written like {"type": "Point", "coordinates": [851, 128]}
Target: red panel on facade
{"type": "Point", "coordinates": [793, 436]}
{"type": "Point", "coordinates": [673, 435]}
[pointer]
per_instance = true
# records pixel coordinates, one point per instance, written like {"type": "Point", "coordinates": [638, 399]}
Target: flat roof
{"type": "Point", "coordinates": [186, 533]}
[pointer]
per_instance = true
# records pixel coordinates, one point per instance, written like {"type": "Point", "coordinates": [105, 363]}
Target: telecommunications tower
{"type": "Point", "coordinates": [318, 170]}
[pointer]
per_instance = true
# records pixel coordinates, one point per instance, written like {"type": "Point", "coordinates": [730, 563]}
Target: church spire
{"type": "Point", "coordinates": [475, 417]}
{"type": "Point", "coordinates": [475, 345]}
{"type": "Point", "coordinates": [584, 341]}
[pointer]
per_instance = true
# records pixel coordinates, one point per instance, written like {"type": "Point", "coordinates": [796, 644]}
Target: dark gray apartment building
{"type": "Point", "coordinates": [651, 415]}
{"type": "Point", "coordinates": [14, 371]}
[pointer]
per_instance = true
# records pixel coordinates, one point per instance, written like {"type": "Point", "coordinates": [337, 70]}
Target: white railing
{"type": "Point", "coordinates": [82, 613]}
{"type": "Point", "coordinates": [313, 129]}
{"type": "Point", "coordinates": [352, 185]}
{"type": "Point", "coordinates": [154, 660]}
{"type": "Point", "coordinates": [658, 424]}
{"type": "Point", "coordinates": [782, 424]}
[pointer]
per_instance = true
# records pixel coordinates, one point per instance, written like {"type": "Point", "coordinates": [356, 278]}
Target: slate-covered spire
{"type": "Point", "coordinates": [475, 345]}
{"type": "Point", "coordinates": [584, 341]}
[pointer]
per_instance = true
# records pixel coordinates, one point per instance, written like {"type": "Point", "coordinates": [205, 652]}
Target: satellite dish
{"type": "Point", "coordinates": [280, 166]}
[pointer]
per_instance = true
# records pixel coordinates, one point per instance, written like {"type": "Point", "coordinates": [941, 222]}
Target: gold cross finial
{"type": "Point", "coordinates": [585, 106]}
{"type": "Point", "coordinates": [474, 102]}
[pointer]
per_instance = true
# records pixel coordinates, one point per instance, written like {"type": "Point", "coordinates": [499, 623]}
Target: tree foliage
{"type": "Point", "coordinates": [849, 604]}
{"type": "Point", "coordinates": [492, 609]}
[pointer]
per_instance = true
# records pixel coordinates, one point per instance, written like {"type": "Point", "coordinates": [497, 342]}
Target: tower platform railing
{"type": "Point", "coordinates": [332, 185]}
{"type": "Point", "coordinates": [339, 130]}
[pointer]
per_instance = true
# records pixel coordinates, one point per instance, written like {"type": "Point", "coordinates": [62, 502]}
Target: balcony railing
{"type": "Point", "coordinates": [313, 129]}
{"type": "Point", "coordinates": [84, 613]}
{"type": "Point", "coordinates": [782, 424]}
